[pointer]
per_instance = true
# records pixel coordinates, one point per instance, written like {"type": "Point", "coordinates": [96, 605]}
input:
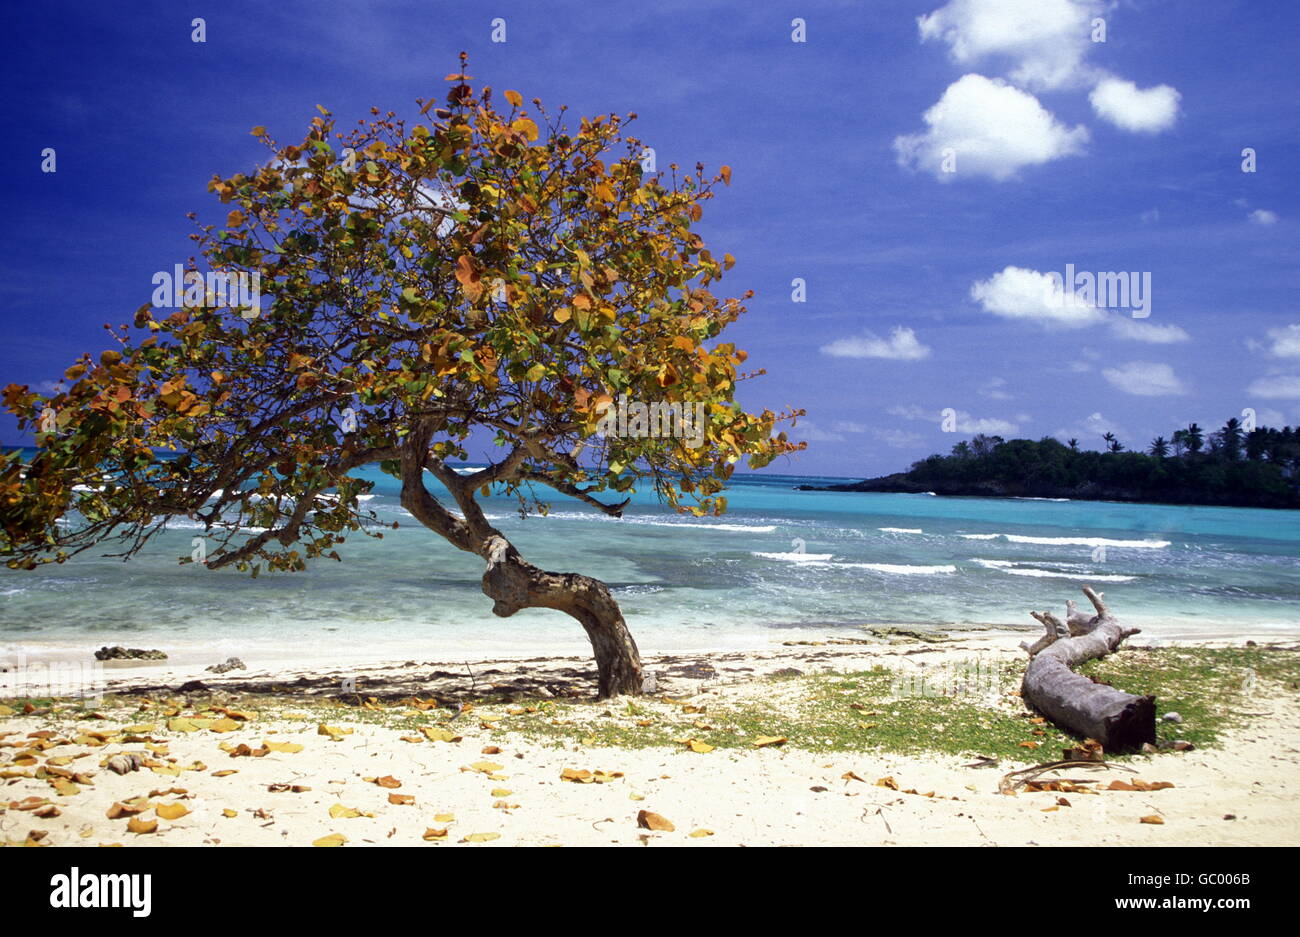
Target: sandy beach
{"type": "Point", "coordinates": [288, 758]}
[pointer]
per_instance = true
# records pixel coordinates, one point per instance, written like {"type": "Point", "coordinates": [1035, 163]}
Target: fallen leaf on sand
{"type": "Point", "coordinates": [888, 782]}
{"type": "Point", "coordinates": [653, 821]}
{"type": "Point", "coordinates": [171, 811]}
{"type": "Point", "coordinates": [1157, 820]}
{"type": "Point", "coordinates": [334, 839]}
{"type": "Point", "coordinates": [576, 775]}
{"type": "Point", "coordinates": [501, 792]}
{"type": "Point", "coordinates": [228, 813]}
{"type": "Point", "coordinates": [481, 837]}
{"type": "Point", "coordinates": [340, 812]}
{"type": "Point", "coordinates": [696, 745]}
{"type": "Point", "coordinates": [444, 817]}
{"type": "Point", "coordinates": [700, 833]}
{"type": "Point", "coordinates": [291, 748]}
{"type": "Point", "coordinates": [334, 732]}
{"type": "Point", "coordinates": [136, 825]}
{"type": "Point", "coordinates": [402, 800]}
{"type": "Point", "coordinates": [765, 740]}
{"type": "Point", "coordinates": [432, 834]}
{"type": "Point", "coordinates": [490, 750]}
{"type": "Point", "coordinates": [439, 734]}
{"type": "Point", "coordinates": [388, 781]}
{"type": "Point", "coordinates": [850, 776]}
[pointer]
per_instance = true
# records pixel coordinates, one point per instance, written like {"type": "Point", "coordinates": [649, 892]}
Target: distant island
{"type": "Point", "coordinates": [1232, 466]}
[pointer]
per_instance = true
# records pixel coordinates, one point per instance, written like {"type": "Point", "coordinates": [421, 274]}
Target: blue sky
{"type": "Point", "coordinates": [924, 287]}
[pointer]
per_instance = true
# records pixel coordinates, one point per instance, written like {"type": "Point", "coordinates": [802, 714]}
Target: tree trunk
{"type": "Point", "coordinates": [1072, 701]}
{"type": "Point", "coordinates": [513, 584]}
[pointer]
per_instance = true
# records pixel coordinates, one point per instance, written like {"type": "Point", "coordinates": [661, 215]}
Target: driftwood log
{"type": "Point", "coordinates": [1074, 702]}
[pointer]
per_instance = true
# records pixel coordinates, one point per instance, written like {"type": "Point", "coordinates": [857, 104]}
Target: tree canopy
{"type": "Point", "coordinates": [484, 272]}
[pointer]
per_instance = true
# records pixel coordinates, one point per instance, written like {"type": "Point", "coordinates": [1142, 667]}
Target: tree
{"type": "Point", "coordinates": [1194, 437]}
{"type": "Point", "coordinates": [1073, 444]}
{"type": "Point", "coordinates": [487, 273]}
{"type": "Point", "coordinates": [1112, 443]}
{"type": "Point", "coordinates": [1159, 447]}
{"type": "Point", "coordinates": [1230, 437]}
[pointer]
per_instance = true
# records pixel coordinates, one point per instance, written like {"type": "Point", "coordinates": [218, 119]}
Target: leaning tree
{"type": "Point", "coordinates": [484, 274]}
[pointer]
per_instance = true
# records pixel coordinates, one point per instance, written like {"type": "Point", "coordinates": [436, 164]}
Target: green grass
{"type": "Point", "coordinates": [861, 711]}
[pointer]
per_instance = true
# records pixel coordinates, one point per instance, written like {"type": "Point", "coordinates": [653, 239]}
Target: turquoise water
{"type": "Point", "coordinates": [781, 565]}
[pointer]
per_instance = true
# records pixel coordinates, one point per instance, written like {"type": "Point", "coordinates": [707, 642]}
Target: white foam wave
{"type": "Point", "coordinates": [1015, 569]}
{"type": "Point", "coordinates": [1074, 541]}
{"type": "Point", "coordinates": [899, 570]}
{"type": "Point", "coordinates": [796, 557]}
{"type": "Point", "coordinates": [901, 530]}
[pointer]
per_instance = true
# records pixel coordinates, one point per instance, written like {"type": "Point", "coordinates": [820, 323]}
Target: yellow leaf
{"type": "Point", "coordinates": [765, 740]}
{"type": "Point", "coordinates": [486, 767]}
{"type": "Point", "coordinates": [444, 817]}
{"type": "Point", "coordinates": [289, 747]}
{"type": "Point", "coordinates": [1157, 820]}
{"type": "Point", "coordinates": [136, 825]}
{"type": "Point", "coordinates": [439, 734]}
{"type": "Point", "coordinates": [696, 745]}
{"type": "Point", "coordinates": [334, 839]}
{"type": "Point", "coordinates": [229, 813]}
{"type": "Point", "coordinates": [181, 724]}
{"type": "Point", "coordinates": [235, 219]}
{"type": "Point", "coordinates": [224, 725]}
{"type": "Point", "coordinates": [340, 812]}
{"type": "Point", "coordinates": [700, 833]}
{"type": "Point", "coordinates": [334, 732]}
{"type": "Point", "coordinates": [515, 98]}
{"type": "Point", "coordinates": [171, 811]}
{"type": "Point", "coordinates": [432, 834]}
{"type": "Point", "coordinates": [481, 837]}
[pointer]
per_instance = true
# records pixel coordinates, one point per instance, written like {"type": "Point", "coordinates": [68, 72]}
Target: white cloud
{"type": "Point", "coordinates": [1263, 216]}
{"type": "Point", "coordinates": [1145, 379]}
{"type": "Point", "coordinates": [902, 345]}
{"type": "Point", "coordinates": [965, 423]}
{"type": "Point", "coordinates": [811, 432]}
{"type": "Point", "coordinates": [992, 389]}
{"type": "Point", "coordinates": [1276, 387]}
{"type": "Point", "coordinates": [898, 439]}
{"type": "Point", "coordinates": [1138, 110]}
{"type": "Point", "coordinates": [1150, 216]}
{"type": "Point", "coordinates": [1045, 41]}
{"type": "Point", "coordinates": [1017, 293]}
{"type": "Point", "coordinates": [1286, 341]}
{"type": "Point", "coordinates": [847, 426]}
{"type": "Point", "coordinates": [991, 129]}
{"type": "Point", "coordinates": [1138, 330]}
{"type": "Point", "coordinates": [1089, 429]}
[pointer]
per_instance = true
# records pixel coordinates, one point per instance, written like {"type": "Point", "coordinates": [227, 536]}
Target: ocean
{"type": "Point", "coordinates": [781, 565]}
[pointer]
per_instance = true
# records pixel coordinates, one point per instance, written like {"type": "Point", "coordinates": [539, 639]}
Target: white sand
{"type": "Point", "coordinates": [750, 797]}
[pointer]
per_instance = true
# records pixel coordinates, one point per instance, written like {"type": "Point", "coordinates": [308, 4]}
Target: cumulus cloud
{"type": "Point", "coordinates": [987, 128]}
{"type": "Point", "coordinates": [1044, 41]}
{"type": "Point", "coordinates": [965, 422]}
{"type": "Point", "coordinates": [1286, 341]}
{"type": "Point", "coordinates": [1137, 110]}
{"type": "Point", "coordinates": [1145, 379]}
{"type": "Point", "coordinates": [1276, 387]}
{"type": "Point", "coordinates": [1139, 330]}
{"type": "Point", "coordinates": [902, 345]}
{"type": "Point", "coordinates": [1017, 293]}
{"type": "Point", "coordinates": [1263, 216]}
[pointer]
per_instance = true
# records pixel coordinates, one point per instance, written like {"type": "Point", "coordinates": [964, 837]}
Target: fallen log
{"type": "Point", "coordinates": [1116, 719]}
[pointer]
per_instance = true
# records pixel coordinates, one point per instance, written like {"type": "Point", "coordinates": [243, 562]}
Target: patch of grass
{"type": "Point", "coordinates": [1213, 689]}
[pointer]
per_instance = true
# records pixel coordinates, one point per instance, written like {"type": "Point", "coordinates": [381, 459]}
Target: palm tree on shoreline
{"type": "Point", "coordinates": [1159, 447]}
{"type": "Point", "coordinates": [1194, 437]}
